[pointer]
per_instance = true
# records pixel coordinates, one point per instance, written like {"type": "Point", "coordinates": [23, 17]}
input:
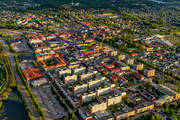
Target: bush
{"type": "Point", "coordinates": [0, 104]}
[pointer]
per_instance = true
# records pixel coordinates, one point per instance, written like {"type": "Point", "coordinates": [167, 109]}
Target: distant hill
{"type": "Point", "coordinates": [106, 3]}
{"type": "Point", "coordinates": [137, 4]}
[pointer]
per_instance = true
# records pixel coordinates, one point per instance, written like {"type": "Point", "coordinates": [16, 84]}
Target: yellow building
{"type": "Point", "coordinates": [124, 114]}
{"type": "Point", "coordinates": [164, 99]}
{"type": "Point", "coordinates": [144, 107]}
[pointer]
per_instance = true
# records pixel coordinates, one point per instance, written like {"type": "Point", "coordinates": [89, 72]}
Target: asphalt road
{"type": "Point", "coordinates": [12, 61]}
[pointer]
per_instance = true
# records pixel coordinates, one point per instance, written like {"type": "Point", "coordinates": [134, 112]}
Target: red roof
{"type": "Point", "coordinates": [134, 54]}
{"type": "Point", "coordinates": [32, 73]}
{"type": "Point", "coordinates": [65, 39]}
{"type": "Point", "coordinates": [115, 70]}
{"type": "Point", "coordinates": [110, 65]}
{"type": "Point", "coordinates": [41, 36]}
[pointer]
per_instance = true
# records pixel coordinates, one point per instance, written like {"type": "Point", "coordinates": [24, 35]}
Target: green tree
{"type": "Point", "coordinates": [63, 43]}
{"type": "Point", "coordinates": [0, 104]}
{"type": "Point", "coordinates": [158, 117]}
{"type": "Point", "coordinates": [153, 118]}
{"type": "Point", "coordinates": [175, 105]}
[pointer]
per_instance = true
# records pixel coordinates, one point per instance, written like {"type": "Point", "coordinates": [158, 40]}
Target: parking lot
{"type": "Point", "coordinates": [47, 100]}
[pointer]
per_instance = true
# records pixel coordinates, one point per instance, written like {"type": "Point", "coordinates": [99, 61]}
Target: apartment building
{"type": "Point", "coordinates": [86, 97]}
{"type": "Point", "coordinates": [85, 114]}
{"type": "Point", "coordinates": [163, 99]}
{"type": "Point", "coordinates": [88, 75]}
{"type": "Point", "coordinates": [114, 99]}
{"type": "Point", "coordinates": [129, 61]}
{"type": "Point", "coordinates": [149, 72]}
{"type": "Point", "coordinates": [121, 57]}
{"type": "Point", "coordinates": [97, 106]}
{"type": "Point", "coordinates": [80, 88]}
{"type": "Point", "coordinates": [144, 107]}
{"type": "Point", "coordinates": [139, 67]}
{"type": "Point", "coordinates": [70, 79]}
{"type": "Point", "coordinates": [124, 114]}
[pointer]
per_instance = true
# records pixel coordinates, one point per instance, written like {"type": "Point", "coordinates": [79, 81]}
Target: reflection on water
{"type": "Point", "coordinates": [157, 1]}
{"type": "Point", "coordinates": [13, 108]}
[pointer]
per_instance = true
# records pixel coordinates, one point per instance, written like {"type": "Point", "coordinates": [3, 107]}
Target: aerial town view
{"type": "Point", "coordinates": [89, 60]}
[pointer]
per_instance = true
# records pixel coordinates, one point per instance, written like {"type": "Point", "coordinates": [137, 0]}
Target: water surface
{"type": "Point", "coordinates": [13, 108]}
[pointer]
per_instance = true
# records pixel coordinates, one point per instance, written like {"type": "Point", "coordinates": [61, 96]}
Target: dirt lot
{"type": "Point", "coordinates": [48, 102]}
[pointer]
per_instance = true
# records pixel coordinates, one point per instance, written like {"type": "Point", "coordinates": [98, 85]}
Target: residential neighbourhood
{"type": "Point", "coordinates": [99, 81]}
{"type": "Point", "coordinates": [89, 64]}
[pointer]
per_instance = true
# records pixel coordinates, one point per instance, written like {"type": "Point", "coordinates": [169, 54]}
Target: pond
{"type": "Point", "coordinates": [13, 108]}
